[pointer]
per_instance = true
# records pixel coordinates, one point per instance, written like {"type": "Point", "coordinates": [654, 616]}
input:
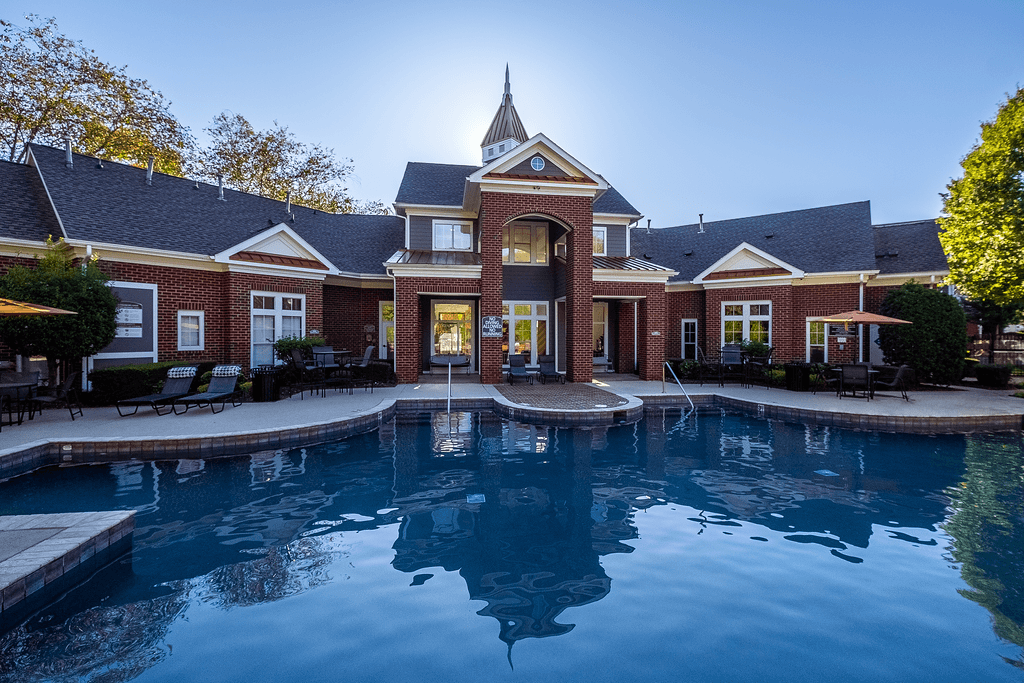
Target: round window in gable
{"type": "Point", "coordinates": [537, 163]}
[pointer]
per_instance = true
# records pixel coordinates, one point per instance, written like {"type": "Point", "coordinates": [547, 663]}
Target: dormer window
{"type": "Point", "coordinates": [501, 149]}
{"type": "Point", "coordinates": [453, 236]}
{"type": "Point", "coordinates": [537, 163]}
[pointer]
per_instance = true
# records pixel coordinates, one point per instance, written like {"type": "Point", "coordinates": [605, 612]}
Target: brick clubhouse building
{"type": "Point", "coordinates": [531, 252]}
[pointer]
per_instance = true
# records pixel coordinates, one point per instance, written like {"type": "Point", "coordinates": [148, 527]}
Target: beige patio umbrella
{"type": "Point", "coordinates": [9, 307]}
{"type": "Point", "coordinates": [861, 318]}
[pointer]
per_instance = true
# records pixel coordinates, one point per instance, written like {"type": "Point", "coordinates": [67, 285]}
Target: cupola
{"type": "Point", "coordinates": [506, 131]}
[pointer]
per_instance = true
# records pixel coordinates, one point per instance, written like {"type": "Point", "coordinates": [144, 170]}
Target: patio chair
{"type": "Point", "coordinates": [177, 385]}
{"type": "Point", "coordinates": [365, 361]}
{"type": "Point", "coordinates": [899, 383]}
{"type": "Point", "coordinates": [517, 368]}
{"type": "Point", "coordinates": [324, 356]}
{"type": "Point", "coordinates": [359, 369]}
{"type": "Point", "coordinates": [853, 378]}
{"type": "Point", "coordinates": [66, 392]}
{"type": "Point", "coordinates": [310, 374]}
{"type": "Point", "coordinates": [223, 386]}
{"type": "Point", "coordinates": [548, 370]}
{"type": "Point", "coordinates": [758, 368]}
{"type": "Point", "coordinates": [19, 398]}
{"type": "Point", "coordinates": [731, 364]}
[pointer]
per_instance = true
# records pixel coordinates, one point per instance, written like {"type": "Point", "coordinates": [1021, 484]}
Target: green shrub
{"type": "Point", "coordinates": [110, 385]}
{"type": "Point", "coordinates": [935, 344]}
{"type": "Point", "coordinates": [993, 375]}
{"type": "Point", "coordinates": [283, 346]}
{"type": "Point", "coordinates": [755, 348]}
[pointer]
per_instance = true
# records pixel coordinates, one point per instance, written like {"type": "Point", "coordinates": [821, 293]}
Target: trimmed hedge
{"type": "Point", "coordinates": [110, 385]}
{"type": "Point", "coordinates": [997, 376]}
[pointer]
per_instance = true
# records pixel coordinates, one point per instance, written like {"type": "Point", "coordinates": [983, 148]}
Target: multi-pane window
{"type": "Point", "coordinates": [274, 316]}
{"type": "Point", "coordinates": [190, 331]}
{"type": "Point", "coordinates": [689, 346]}
{"type": "Point", "coordinates": [817, 350]}
{"type": "Point", "coordinates": [600, 236]}
{"type": "Point", "coordinates": [387, 330]}
{"type": "Point", "coordinates": [746, 320]}
{"type": "Point", "coordinates": [452, 236]}
{"type": "Point", "coordinates": [524, 243]}
{"type": "Point", "coordinates": [526, 329]}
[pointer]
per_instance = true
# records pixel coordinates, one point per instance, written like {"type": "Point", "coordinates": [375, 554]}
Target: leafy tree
{"type": "Point", "coordinates": [58, 281]}
{"type": "Point", "coordinates": [993, 318]}
{"type": "Point", "coordinates": [52, 87]}
{"type": "Point", "coordinates": [936, 343]}
{"type": "Point", "coordinates": [272, 162]}
{"type": "Point", "coordinates": [983, 222]}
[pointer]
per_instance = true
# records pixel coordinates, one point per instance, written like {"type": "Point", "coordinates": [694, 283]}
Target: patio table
{"type": "Point", "coordinates": [19, 395]}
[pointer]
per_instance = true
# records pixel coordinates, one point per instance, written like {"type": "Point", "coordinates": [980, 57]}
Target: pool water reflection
{"type": "Point", "coordinates": [716, 547]}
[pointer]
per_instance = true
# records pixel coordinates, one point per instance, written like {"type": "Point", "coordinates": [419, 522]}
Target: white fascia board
{"type": "Point", "coordinates": [31, 161]}
{"type": "Point", "coordinates": [138, 254]}
{"type": "Point", "coordinates": [280, 228]}
{"type": "Point", "coordinates": [848, 277]}
{"type": "Point", "coordinates": [535, 187]}
{"type": "Point", "coordinates": [358, 281]}
{"type": "Point", "coordinates": [536, 144]}
{"type": "Point", "coordinates": [746, 246]}
{"type": "Point", "coordinates": [614, 219]}
{"type": "Point", "coordinates": [439, 211]}
{"type": "Point", "coordinates": [422, 270]}
{"type": "Point", "coordinates": [662, 276]}
{"type": "Point", "coordinates": [774, 281]}
{"type": "Point", "coordinates": [683, 287]}
{"type": "Point", "coordinates": [909, 276]}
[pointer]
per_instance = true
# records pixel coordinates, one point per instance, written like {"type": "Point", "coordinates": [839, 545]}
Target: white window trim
{"type": "Point", "coordinates": [607, 331]}
{"type": "Point", "coordinates": [202, 330]}
{"type": "Point", "coordinates": [807, 340]}
{"type": "Point", "coordinates": [277, 312]}
{"type": "Point", "coordinates": [453, 223]}
{"type": "Point", "coordinates": [747, 318]}
{"type": "Point", "coordinates": [604, 240]}
{"type": "Point", "coordinates": [533, 317]}
{"type": "Point", "coordinates": [682, 336]}
{"type": "Point", "coordinates": [382, 341]}
{"type": "Point", "coordinates": [538, 232]}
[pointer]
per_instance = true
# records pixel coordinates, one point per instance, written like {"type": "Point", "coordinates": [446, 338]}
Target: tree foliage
{"type": "Point", "coordinates": [272, 162]}
{"type": "Point", "coordinates": [983, 221]}
{"type": "Point", "coordinates": [52, 87]}
{"type": "Point", "coordinates": [58, 281]}
{"type": "Point", "coordinates": [935, 344]}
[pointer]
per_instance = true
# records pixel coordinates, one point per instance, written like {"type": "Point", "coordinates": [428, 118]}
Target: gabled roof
{"type": "Point", "coordinates": [909, 248]}
{"type": "Point", "coordinates": [614, 203]}
{"type": "Point", "coordinates": [829, 239]}
{"type": "Point", "coordinates": [25, 211]}
{"type": "Point", "coordinates": [434, 184]}
{"type": "Point", "coordinates": [114, 205]}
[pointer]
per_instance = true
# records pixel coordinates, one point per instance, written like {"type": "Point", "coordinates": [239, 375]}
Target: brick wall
{"type": "Point", "coordinates": [685, 306]}
{"type": "Point", "coordinates": [408, 330]}
{"type": "Point", "coordinates": [347, 312]}
{"type": "Point", "coordinates": [651, 323]}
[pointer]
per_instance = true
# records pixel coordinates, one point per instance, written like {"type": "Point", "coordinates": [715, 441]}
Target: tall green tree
{"type": "Point", "coordinates": [270, 163]}
{"type": "Point", "coordinates": [53, 87]}
{"type": "Point", "coordinates": [56, 280]}
{"type": "Point", "coordinates": [983, 221]}
{"type": "Point", "coordinates": [935, 344]}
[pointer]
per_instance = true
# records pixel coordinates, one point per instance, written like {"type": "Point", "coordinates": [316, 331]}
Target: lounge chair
{"type": "Point", "coordinates": [177, 385]}
{"type": "Point", "coordinates": [548, 370]}
{"type": "Point", "coordinates": [223, 386]}
{"type": "Point", "coordinates": [67, 393]}
{"type": "Point", "coordinates": [899, 383]}
{"type": "Point", "coordinates": [517, 368]}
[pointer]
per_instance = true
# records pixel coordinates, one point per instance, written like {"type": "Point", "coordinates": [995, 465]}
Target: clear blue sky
{"type": "Point", "coordinates": [731, 108]}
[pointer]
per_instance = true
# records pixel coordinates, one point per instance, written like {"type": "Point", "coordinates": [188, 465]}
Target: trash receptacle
{"type": "Point", "coordinates": [798, 376]}
{"type": "Point", "coordinates": [264, 383]}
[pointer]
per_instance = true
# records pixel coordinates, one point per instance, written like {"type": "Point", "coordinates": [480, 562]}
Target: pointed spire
{"type": "Point", "coordinates": [506, 129]}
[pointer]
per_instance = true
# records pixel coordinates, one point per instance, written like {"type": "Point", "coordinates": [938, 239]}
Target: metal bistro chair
{"type": "Point", "coordinates": [899, 383]}
{"type": "Point", "coordinates": [731, 364]}
{"type": "Point", "coordinates": [311, 374]}
{"type": "Point", "coordinates": [758, 368]}
{"type": "Point", "coordinates": [853, 378]}
{"type": "Point", "coordinates": [21, 398]}
{"type": "Point", "coordinates": [66, 392]}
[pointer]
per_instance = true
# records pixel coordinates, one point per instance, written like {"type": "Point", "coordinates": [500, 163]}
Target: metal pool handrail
{"type": "Point", "coordinates": [678, 383]}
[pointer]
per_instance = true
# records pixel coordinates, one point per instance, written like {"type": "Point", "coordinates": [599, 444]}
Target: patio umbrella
{"type": "Point", "coordinates": [9, 307]}
{"type": "Point", "coordinates": [861, 318]}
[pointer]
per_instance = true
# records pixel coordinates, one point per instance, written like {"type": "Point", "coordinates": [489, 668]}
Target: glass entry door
{"type": "Point", "coordinates": [453, 329]}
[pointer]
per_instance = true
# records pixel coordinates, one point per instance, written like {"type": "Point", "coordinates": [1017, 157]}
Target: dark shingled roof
{"type": "Point", "coordinates": [827, 239]}
{"type": "Point", "coordinates": [445, 184]}
{"type": "Point", "coordinates": [909, 248]}
{"type": "Point", "coordinates": [25, 212]}
{"type": "Point", "coordinates": [113, 204]}
{"type": "Point", "coordinates": [434, 184]}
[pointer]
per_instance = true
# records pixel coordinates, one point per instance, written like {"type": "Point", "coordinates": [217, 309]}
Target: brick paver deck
{"type": "Point", "coordinates": [560, 396]}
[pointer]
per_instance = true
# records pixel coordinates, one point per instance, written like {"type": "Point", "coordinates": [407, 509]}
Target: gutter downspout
{"type": "Point", "coordinates": [860, 328]}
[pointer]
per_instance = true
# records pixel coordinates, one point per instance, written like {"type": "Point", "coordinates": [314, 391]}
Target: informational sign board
{"type": "Point", "coordinates": [490, 326]}
{"type": "Point", "coordinates": [841, 330]}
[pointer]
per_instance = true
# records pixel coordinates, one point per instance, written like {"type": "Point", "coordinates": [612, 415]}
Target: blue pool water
{"type": "Point", "coordinates": [467, 548]}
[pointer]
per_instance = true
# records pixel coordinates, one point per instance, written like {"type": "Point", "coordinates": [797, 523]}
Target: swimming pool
{"type": "Point", "coordinates": [467, 548]}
